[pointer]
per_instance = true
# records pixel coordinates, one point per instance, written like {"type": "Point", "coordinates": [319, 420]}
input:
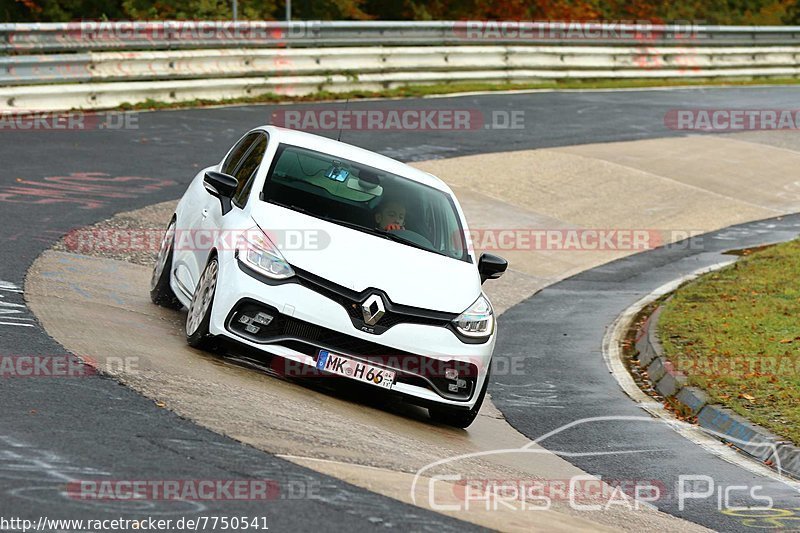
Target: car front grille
{"type": "Point", "coordinates": [308, 338]}
{"type": "Point", "coordinates": [352, 300]}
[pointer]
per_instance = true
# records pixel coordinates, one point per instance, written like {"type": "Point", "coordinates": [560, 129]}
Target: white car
{"type": "Point", "coordinates": [342, 262]}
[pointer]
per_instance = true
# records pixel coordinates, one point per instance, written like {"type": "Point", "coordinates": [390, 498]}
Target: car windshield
{"type": "Point", "coordinates": [366, 199]}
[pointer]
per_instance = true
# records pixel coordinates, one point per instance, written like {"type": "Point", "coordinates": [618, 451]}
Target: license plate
{"type": "Point", "coordinates": [366, 373]}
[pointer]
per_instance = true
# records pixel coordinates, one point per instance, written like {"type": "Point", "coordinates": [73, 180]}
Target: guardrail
{"type": "Point", "coordinates": [112, 63]}
{"type": "Point", "coordinates": [172, 35]}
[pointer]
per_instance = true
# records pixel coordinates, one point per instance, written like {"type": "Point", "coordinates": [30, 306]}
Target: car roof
{"type": "Point", "coordinates": [354, 153]}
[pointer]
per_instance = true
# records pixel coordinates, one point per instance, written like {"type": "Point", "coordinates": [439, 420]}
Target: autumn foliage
{"type": "Point", "coordinates": [739, 12]}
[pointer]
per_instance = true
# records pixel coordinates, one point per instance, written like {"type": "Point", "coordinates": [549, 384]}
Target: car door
{"type": "Point", "coordinates": [225, 228]}
{"type": "Point", "coordinates": [191, 258]}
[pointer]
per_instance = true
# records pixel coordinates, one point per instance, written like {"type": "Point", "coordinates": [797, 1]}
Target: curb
{"type": "Point", "coordinates": [736, 430]}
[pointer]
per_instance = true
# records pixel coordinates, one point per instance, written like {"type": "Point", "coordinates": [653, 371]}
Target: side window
{"type": "Point", "coordinates": [238, 152]}
{"type": "Point", "coordinates": [246, 173]}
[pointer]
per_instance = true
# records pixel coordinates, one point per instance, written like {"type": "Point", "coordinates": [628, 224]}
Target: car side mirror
{"type": "Point", "coordinates": [222, 186]}
{"type": "Point", "coordinates": [491, 266]}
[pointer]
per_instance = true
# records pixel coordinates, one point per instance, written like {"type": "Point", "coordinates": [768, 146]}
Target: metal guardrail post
{"type": "Point", "coordinates": [5, 31]}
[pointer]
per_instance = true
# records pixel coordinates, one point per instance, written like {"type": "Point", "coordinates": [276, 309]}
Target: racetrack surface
{"type": "Point", "coordinates": [108, 428]}
{"type": "Point", "coordinates": [81, 300]}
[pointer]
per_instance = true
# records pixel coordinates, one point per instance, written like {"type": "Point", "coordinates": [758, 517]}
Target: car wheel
{"type": "Point", "coordinates": [160, 291]}
{"type": "Point", "coordinates": [459, 418]}
{"type": "Point", "coordinates": [199, 317]}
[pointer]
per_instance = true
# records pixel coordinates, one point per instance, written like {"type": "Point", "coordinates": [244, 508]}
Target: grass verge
{"type": "Point", "coordinates": [416, 91]}
{"type": "Point", "coordinates": [735, 333]}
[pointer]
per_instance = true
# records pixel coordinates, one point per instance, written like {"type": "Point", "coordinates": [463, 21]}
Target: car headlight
{"type": "Point", "coordinates": [477, 321]}
{"type": "Point", "coordinates": [259, 253]}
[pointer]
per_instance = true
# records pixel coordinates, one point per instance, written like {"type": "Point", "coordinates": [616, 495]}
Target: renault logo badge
{"type": "Point", "coordinates": [373, 309]}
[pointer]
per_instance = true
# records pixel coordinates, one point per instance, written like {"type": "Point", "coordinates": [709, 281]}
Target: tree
{"type": "Point", "coordinates": [709, 11]}
{"type": "Point", "coordinates": [59, 10]}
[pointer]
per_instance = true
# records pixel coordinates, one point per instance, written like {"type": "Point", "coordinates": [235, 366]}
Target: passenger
{"type": "Point", "coordinates": [390, 216]}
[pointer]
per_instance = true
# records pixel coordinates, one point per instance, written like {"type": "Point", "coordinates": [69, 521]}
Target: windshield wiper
{"type": "Point", "coordinates": [293, 208]}
{"type": "Point", "coordinates": [352, 225]}
{"type": "Point", "coordinates": [397, 238]}
{"type": "Point", "coordinates": [379, 233]}
{"type": "Point", "coordinates": [345, 223]}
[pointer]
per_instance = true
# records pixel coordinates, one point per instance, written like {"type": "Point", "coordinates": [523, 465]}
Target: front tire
{"type": "Point", "coordinates": [160, 290]}
{"type": "Point", "coordinates": [199, 317]}
{"type": "Point", "coordinates": [459, 418]}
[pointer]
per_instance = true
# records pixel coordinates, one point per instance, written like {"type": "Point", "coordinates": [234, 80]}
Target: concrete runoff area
{"type": "Point", "coordinates": [97, 306]}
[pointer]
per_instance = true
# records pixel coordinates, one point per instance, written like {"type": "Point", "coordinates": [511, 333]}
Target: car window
{"type": "Point", "coordinates": [246, 173]}
{"type": "Point", "coordinates": [238, 152]}
{"type": "Point", "coordinates": [310, 167]}
{"type": "Point", "coordinates": [364, 198]}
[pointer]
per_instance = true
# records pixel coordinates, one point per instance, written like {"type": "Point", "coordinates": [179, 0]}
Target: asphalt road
{"type": "Point", "coordinates": [61, 429]}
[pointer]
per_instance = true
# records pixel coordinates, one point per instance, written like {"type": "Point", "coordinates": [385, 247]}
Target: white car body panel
{"type": "Point", "coordinates": [439, 283]}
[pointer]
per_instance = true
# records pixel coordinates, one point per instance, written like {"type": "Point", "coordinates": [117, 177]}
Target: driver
{"type": "Point", "coordinates": [390, 216]}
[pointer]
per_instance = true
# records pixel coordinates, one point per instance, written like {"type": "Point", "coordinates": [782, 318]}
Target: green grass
{"type": "Point", "coordinates": [736, 334]}
{"type": "Point", "coordinates": [411, 91]}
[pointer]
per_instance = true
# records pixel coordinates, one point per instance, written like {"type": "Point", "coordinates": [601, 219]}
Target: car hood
{"type": "Point", "coordinates": [359, 261]}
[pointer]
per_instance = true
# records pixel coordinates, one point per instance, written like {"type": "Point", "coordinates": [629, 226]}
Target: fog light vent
{"type": "Point", "coordinates": [262, 318]}
{"type": "Point", "coordinates": [255, 321]}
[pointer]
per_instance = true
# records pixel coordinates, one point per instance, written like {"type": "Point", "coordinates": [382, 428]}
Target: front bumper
{"type": "Point", "coordinates": [306, 321]}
